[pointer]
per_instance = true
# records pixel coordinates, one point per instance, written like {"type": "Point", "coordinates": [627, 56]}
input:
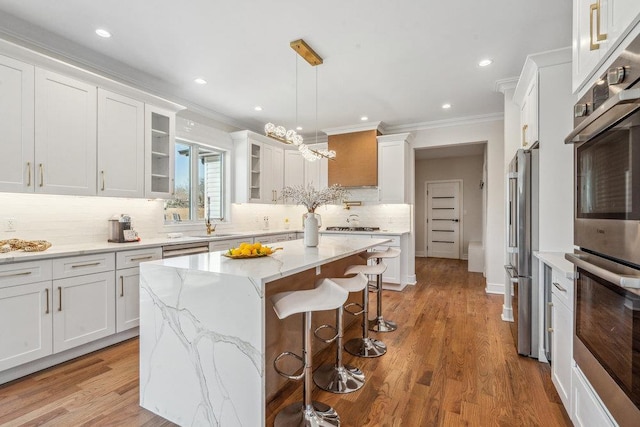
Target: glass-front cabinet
{"type": "Point", "coordinates": [159, 149]}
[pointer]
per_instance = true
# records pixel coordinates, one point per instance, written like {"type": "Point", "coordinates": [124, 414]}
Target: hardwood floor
{"type": "Point", "coordinates": [452, 362]}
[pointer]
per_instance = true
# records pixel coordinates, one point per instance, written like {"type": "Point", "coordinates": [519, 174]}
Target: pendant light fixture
{"type": "Point", "coordinates": [290, 136]}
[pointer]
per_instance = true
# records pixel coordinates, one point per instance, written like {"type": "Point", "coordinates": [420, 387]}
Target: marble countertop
{"type": "Point", "coordinates": [367, 233]}
{"type": "Point", "coordinates": [293, 258]}
{"type": "Point", "coordinates": [56, 251]}
{"type": "Point", "coordinates": [558, 261]}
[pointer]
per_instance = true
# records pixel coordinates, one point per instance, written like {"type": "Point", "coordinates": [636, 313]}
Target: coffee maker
{"type": "Point", "coordinates": [120, 230]}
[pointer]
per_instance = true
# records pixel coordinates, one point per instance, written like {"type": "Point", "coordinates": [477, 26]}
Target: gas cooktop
{"type": "Point", "coordinates": [353, 228]}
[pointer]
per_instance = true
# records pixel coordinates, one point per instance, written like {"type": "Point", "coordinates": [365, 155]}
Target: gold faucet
{"type": "Point", "coordinates": [210, 227]}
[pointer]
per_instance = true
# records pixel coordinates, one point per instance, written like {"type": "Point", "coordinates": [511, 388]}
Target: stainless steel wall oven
{"type": "Point", "coordinates": [607, 232]}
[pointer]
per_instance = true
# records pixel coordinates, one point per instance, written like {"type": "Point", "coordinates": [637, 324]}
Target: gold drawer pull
{"type": "Point", "coordinates": [90, 264]}
{"type": "Point", "coordinates": [22, 273]}
{"type": "Point", "coordinates": [142, 258]}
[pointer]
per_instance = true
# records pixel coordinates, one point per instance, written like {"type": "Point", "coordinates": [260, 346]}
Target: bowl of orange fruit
{"type": "Point", "coordinates": [250, 250]}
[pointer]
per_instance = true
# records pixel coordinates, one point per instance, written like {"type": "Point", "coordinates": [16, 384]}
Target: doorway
{"type": "Point", "coordinates": [443, 219]}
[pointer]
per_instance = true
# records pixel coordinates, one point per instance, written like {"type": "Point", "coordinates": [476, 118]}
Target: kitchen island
{"type": "Point", "coordinates": [208, 334]}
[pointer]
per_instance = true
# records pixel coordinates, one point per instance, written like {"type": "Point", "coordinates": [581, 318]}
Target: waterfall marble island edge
{"type": "Point", "coordinates": [204, 331]}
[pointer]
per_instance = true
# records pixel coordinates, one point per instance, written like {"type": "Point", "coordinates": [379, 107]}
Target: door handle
{"type": "Point", "coordinates": [121, 286]}
{"type": "Point", "coordinates": [59, 298]}
{"type": "Point", "coordinates": [558, 287]}
{"type": "Point", "coordinates": [28, 174]}
{"type": "Point", "coordinates": [549, 306]}
{"type": "Point", "coordinates": [102, 173]}
{"type": "Point", "coordinates": [47, 297]}
{"type": "Point", "coordinates": [41, 175]}
{"type": "Point", "coordinates": [455, 220]}
{"type": "Point", "coordinates": [524, 135]}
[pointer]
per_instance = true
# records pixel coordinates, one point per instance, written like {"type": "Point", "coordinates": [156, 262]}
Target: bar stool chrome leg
{"type": "Point", "coordinates": [339, 378]}
{"type": "Point", "coordinates": [379, 324]}
{"type": "Point", "coordinates": [307, 413]}
{"type": "Point", "coordinates": [365, 346]}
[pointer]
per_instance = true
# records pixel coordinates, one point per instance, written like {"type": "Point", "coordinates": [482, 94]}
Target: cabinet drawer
{"type": "Point", "coordinates": [225, 245]}
{"type": "Point", "coordinates": [20, 273]}
{"type": "Point", "coordinates": [129, 259]}
{"type": "Point", "coordinates": [84, 264]}
{"type": "Point", "coordinates": [562, 288]}
{"type": "Point", "coordinates": [395, 240]}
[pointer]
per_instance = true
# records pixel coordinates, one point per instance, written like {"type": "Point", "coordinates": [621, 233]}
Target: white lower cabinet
{"type": "Point", "coordinates": [25, 323]}
{"type": "Point", "coordinates": [586, 410]}
{"type": "Point", "coordinates": [83, 309]}
{"type": "Point", "coordinates": [127, 289]}
{"type": "Point", "coordinates": [561, 349]}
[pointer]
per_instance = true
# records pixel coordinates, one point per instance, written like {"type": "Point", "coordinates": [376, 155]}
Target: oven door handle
{"type": "Point", "coordinates": [632, 282]}
{"type": "Point", "coordinates": [629, 98]}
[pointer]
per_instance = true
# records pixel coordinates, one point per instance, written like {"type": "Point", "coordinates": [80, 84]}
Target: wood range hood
{"type": "Point", "coordinates": [356, 162]}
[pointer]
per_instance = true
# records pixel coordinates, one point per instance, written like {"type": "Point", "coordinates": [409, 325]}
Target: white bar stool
{"type": "Point", "coordinates": [325, 296]}
{"type": "Point", "coordinates": [337, 377]}
{"type": "Point", "coordinates": [365, 346]}
{"type": "Point", "coordinates": [379, 324]}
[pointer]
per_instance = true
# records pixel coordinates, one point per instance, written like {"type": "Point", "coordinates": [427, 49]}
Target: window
{"type": "Point", "coordinates": [199, 183]}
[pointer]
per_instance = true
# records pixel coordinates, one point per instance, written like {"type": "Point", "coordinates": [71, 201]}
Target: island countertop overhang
{"type": "Point", "coordinates": [293, 258]}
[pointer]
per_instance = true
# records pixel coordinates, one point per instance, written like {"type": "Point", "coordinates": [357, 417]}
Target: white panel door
{"type": "Point", "coordinates": [127, 299]}
{"type": "Point", "coordinates": [120, 145]}
{"type": "Point", "coordinates": [25, 323]}
{"type": "Point", "coordinates": [443, 219]}
{"type": "Point", "coordinates": [16, 125]}
{"type": "Point", "coordinates": [561, 348]}
{"type": "Point", "coordinates": [65, 135]}
{"type": "Point", "coordinates": [83, 309]}
{"type": "Point", "coordinates": [391, 172]}
{"type": "Point", "coordinates": [272, 175]}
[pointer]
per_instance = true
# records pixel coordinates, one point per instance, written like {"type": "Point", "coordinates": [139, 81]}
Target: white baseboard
{"type": "Point", "coordinates": [421, 254]}
{"type": "Point", "coordinates": [465, 257]}
{"type": "Point", "coordinates": [495, 288]}
{"type": "Point", "coordinates": [507, 314]}
{"type": "Point", "coordinates": [412, 280]}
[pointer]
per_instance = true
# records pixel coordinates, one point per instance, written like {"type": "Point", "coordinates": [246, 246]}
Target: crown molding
{"type": "Point", "coordinates": [460, 121]}
{"type": "Point", "coordinates": [355, 128]}
{"type": "Point", "coordinates": [533, 63]}
{"type": "Point", "coordinates": [504, 85]}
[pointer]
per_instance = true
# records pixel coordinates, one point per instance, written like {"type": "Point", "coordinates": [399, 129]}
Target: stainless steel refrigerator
{"type": "Point", "coordinates": [522, 230]}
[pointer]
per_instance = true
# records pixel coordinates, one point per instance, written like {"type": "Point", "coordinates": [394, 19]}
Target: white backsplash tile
{"type": "Point", "coordinates": [72, 219]}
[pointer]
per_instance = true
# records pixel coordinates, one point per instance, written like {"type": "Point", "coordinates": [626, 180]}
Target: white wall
{"type": "Point", "coordinates": [493, 133]}
{"type": "Point", "coordinates": [469, 170]}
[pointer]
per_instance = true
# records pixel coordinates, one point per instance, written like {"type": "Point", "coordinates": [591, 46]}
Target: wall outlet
{"type": "Point", "coordinates": [318, 270]}
{"type": "Point", "coordinates": [10, 224]}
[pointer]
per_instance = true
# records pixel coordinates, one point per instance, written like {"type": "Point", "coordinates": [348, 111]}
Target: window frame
{"type": "Point", "coordinates": [195, 146]}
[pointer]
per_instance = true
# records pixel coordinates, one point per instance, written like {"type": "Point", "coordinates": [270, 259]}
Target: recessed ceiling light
{"type": "Point", "coordinates": [103, 33]}
{"type": "Point", "coordinates": [299, 128]}
{"type": "Point", "coordinates": [200, 81]}
{"type": "Point", "coordinates": [364, 118]}
{"type": "Point", "coordinates": [257, 108]}
{"type": "Point", "coordinates": [446, 106]}
{"type": "Point", "coordinates": [485, 62]}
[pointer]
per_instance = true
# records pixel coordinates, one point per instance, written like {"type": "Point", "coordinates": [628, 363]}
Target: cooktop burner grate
{"type": "Point", "coordinates": [353, 228]}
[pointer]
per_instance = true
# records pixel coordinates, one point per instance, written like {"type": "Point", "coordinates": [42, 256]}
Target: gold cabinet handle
{"type": "Point", "coordinates": [142, 258]}
{"type": "Point", "coordinates": [524, 135]}
{"type": "Point", "coordinates": [121, 286]}
{"type": "Point", "coordinates": [549, 305]}
{"type": "Point", "coordinates": [47, 297]}
{"type": "Point", "coordinates": [593, 41]}
{"type": "Point", "coordinates": [599, 36]}
{"type": "Point", "coordinates": [22, 273]}
{"type": "Point", "coordinates": [41, 175]}
{"type": "Point", "coordinates": [89, 264]}
{"type": "Point", "coordinates": [28, 174]}
{"type": "Point", "coordinates": [59, 298]}
{"type": "Point", "coordinates": [102, 173]}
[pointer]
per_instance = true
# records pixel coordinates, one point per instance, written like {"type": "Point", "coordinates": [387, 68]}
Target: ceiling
{"type": "Point", "coordinates": [396, 62]}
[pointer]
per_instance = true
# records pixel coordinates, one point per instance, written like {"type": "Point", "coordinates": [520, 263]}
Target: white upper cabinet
{"type": "Point", "coordinates": [259, 168]}
{"type": "Point", "coordinates": [16, 126]}
{"type": "Point", "coordinates": [272, 173]}
{"type": "Point", "coordinates": [597, 28]}
{"type": "Point", "coordinates": [65, 135]}
{"type": "Point", "coordinates": [394, 168]}
{"type": "Point", "coordinates": [294, 166]}
{"type": "Point", "coordinates": [529, 115]}
{"type": "Point", "coordinates": [317, 173]}
{"type": "Point", "coordinates": [120, 145]}
{"type": "Point", "coordinates": [159, 164]}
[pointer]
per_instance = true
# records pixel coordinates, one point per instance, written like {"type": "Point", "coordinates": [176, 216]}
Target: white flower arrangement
{"type": "Point", "coordinates": [311, 198]}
